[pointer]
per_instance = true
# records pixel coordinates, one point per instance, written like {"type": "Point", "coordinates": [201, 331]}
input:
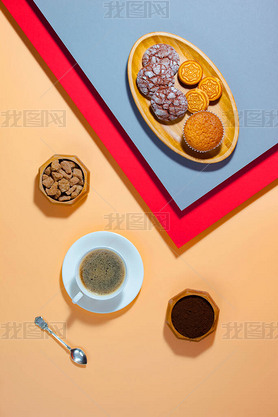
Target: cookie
{"type": "Point", "coordinates": [151, 78]}
{"type": "Point", "coordinates": [168, 104]}
{"type": "Point", "coordinates": [162, 54]}
{"type": "Point", "coordinates": [203, 131]}
{"type": "Point", "coordinates": [197, 100]}
{"type": "Point", "coordinates": [190, 72]}
{"type": "Point", "coordinates": [212, 86]}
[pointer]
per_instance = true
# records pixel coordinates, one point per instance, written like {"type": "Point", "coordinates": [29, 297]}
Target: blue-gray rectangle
{"type": "Point", "coordinates": [240, 37]}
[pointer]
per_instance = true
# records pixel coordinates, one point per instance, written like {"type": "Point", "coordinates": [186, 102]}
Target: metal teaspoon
{"type": "Point", "coordinates": [76, 354]}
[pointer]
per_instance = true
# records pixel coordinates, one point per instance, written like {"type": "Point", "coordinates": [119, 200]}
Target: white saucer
{"type": "Point", "coordinates": [134, 270]}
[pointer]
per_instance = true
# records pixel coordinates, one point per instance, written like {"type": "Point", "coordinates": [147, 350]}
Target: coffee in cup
{"type": "Point", "coordinates": [102, 272]}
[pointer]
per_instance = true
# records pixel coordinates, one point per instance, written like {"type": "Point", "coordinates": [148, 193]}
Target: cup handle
{"type": "Point", "coordinates": [77, 297]}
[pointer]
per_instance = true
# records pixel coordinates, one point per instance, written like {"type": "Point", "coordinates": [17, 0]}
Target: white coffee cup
{"type": "Point", "coordinates": [84, 291]}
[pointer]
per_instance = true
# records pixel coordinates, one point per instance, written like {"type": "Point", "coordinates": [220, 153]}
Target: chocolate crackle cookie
{"type": "Point", "coordinates": [151, 78]}
{"type": "Point", "coordinates": [169, 104]}
{"type": "Point", "coordinates": [162, 54]}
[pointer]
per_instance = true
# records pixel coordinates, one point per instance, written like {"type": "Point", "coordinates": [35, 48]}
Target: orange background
{"type": "Point", "coordinates": [136, 366]}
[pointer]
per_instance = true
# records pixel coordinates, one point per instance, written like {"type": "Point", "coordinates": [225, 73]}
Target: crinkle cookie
{"type": "Point", "coordinates": [162, 54]}
{"type": "Point", "coordinates": [151, 78]}
{"type": "Point", "coordinates": [169, 104]}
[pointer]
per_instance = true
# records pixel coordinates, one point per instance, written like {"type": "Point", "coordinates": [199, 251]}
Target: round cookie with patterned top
{"type": "Point", "coordinates": [162, 54]}
{"type": "Point", "coordinates": [190, 72]}
{"type": "Point", "coordinates": [197, 100]}
{"type": "Point", "coordinates": [169, 104]}
{"type": "Point", "coordinates": [153, 77]}
{"type": "Point", "coordinates": [212, 86]}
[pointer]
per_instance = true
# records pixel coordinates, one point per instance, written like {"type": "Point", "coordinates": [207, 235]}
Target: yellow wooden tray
{"type": "Point", "coordinates": [171, 134]}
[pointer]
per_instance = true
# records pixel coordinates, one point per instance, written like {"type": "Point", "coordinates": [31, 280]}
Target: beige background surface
{"type": "Point", "coordinates": [136, 367]}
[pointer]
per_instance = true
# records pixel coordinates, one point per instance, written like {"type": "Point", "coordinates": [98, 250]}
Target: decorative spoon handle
{"type": "Point", "coordinates": [39, 321]}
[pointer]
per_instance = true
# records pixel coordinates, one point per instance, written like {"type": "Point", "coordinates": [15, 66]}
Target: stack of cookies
{"type": "Point", "coordinates": [208, 90]}
{"type": "Point", "coordinates": [155, 81]}
{"type": "Point", "coordinates": [203, 130]}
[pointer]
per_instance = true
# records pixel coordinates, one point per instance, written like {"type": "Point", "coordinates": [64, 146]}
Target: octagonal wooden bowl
{"type": "Point", "coordinates": [86, 174]}
{"type": "Point", "coordinates": [186, 293]}
{"type": "Point", "coordinates": [171, 134]}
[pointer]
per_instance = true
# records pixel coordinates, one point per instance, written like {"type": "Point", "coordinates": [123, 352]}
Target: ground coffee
{"type": "Point", "coordinates": [192, 316]}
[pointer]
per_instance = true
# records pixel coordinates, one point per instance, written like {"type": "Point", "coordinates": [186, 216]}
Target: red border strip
{"type": "Point", "coordinates": [184, 225]}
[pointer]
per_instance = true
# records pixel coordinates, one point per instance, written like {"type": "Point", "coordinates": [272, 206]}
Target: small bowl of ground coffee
{"type": "Point", "coordinates": [192, 315]}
